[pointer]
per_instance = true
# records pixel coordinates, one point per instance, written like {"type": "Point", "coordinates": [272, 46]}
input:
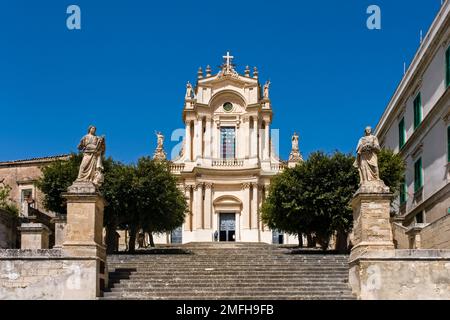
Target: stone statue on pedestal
{"type": "Point", "coordinates": [188, 90]}
{"type": "Point", "coordinates": [91, 168]}
{"type": "Point", "coordinates": [266, 90]}
{"type": "Point", "coordinates": [367, 162]}
{"type": "Point", "coordinates": [295, 155]}
{"type": "Point", "coordinates": [159, 152]}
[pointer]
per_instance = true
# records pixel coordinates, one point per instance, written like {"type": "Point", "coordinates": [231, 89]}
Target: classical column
{"type": "Point", "coordinates": [198, 206]}
{"type": "Point", "coordinates": [208, 138]}
{"type": "Point", "coordinates": [266, 141]}
{"type": "Point", "coordinates": [217, 140]}
{"type": "Point", "coordinates": [188, 141]}
{"type": "Point", "coordinates": [188, 222]}
{"type": "Point", "coordinates": [196, 139]}
{"type": "Point", "coordinates": [254, 139]}
{"type": "Point", "coordinates": [208, 205]}
{"type": "Point", "coordinates": [254, 207]}
{"type": "Point", "coordinates": [246, 137]}
{"type": "Point", "coordinates": [246, 206]}
{"type": "Point", "coordinates": [264, 195]}
{"type": "Point", "coordinates": [260, 142]}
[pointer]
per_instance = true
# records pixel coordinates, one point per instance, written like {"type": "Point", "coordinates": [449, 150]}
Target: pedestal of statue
{"type": "Point", "coordinates": [84, 231]}
{"type": "Point", "coordinates": [371, 213]}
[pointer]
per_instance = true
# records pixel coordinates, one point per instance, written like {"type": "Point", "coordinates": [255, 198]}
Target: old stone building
{"type": "Point", "coordinates": [227, 160]}
{"type": "Point", "coordinates": [416, 124]}
{"type": "Point", "coordinates": [21, 175]}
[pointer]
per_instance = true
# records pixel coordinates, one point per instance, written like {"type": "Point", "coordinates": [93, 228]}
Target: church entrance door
{"type": "Point", "coordinates": [227, 227]}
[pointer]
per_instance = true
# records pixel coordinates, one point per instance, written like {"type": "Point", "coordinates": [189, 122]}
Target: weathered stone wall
{"type": "Point", "coordinates": [437, 234]}
{"type": "Point", "coordinates": [401, 239]}
{"type": "Point", "coordinates": [23, 174]}
{"type": "Point", "coordinates": [8, 231]}
{"type": "Point", "coordinates": [46, 274]}
{"type": "Point", "coordinates": [401, 274]}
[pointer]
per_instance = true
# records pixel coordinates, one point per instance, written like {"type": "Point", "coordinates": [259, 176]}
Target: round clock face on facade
{"type": "Point", "coordinates": [227, 106]}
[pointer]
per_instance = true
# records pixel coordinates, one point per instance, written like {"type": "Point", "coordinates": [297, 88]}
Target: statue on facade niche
{"type": "Point", "coordinates": [188, 90]}
{"type": "Point", "coordinates": [266, 89]}
{"type": "Point", "coordinates": [367, 157]}
{"type": "Point", "coordinates": [93, 149]}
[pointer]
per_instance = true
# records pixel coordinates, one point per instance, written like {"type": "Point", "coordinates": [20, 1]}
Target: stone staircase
{"type": "Point", "coordinates": [220, 271]}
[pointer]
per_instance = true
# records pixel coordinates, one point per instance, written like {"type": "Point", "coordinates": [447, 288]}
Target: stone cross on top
{"type": "Point", "coordinates": [228, 65]}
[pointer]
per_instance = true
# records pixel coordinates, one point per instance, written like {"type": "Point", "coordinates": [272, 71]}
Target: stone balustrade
{"type": "Point", "coordinates": [278, 166]}
{"type": "Point", "coordinates": [176, 168]}
{"type": "Point", "coordinates": [228, 163]}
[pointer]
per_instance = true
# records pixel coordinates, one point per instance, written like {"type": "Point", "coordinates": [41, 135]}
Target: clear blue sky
{"type": "Point", "coordinates": [125, 71]}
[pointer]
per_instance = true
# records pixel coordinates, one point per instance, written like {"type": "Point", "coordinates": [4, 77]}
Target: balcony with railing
{"type": "Point", "coordinates": [227, 163]}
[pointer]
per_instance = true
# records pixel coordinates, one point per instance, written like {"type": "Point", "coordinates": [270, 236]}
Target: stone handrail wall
{"type": "Point", "coordinates": [435, 235]}
{"type": "Point", "coordinates": [401, 239]}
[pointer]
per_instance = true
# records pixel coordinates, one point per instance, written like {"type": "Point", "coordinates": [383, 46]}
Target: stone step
{"type": "Point", "coordinates": [238, 284]}
{"type": "Point", "coordinates": [250, 297]}
{"type": "Point", "coordinates": [229, 271]}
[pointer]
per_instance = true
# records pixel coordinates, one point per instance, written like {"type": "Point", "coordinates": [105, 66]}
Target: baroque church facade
{"type": "Point", "coordinates": [227, 159]}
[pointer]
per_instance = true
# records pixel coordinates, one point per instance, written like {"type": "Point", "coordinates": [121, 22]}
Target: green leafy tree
{"type": "Point", "coordinates": [5, 202]}
{"type": "Point", "coordinates": [392, 169]}
{"type": "Point", "coordinates": [314, 197]}
{"type": "Point", "coordinates": [56, 178]}
{"type": "Point", "coordinates": [161, 206]}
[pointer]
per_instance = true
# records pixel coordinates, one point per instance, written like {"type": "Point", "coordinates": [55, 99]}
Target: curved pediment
{"type": "Point", "coordinates": [226, 203]}
{"type": "Point", "coordinates": [220, 98]}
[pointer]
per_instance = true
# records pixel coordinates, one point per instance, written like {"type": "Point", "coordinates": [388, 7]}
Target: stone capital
{"type": "Point", "coordinates": [245, 185]}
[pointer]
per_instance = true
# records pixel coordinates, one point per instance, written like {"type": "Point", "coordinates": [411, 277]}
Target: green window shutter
{"type": "Point", "coordinates": [447, 67]}
{"type": "Point", "coordinates": [448, 144]}
{"type": "Point", "coordinates": [401, 133]}
{"type": "Point", "coordinates": [418, 175]}
{"type": "Point", "coordinates": [417, 110]}
{"type": "Point", "coordinates": [403, 193]}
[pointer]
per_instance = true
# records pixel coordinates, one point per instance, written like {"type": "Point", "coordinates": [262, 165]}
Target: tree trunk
{"type": "Point", "coordinates": [132, 242]}
{"type": "Point", "coordinates": [311, 240]}
{"type": "Point", "coordinates": [341, 241]}
{"type": "Point", "coordinates": [111, 238]}
{"type": "Point", "coordinates": [300, 239]}
{"type": "Point", "coordinates": [152, 243]}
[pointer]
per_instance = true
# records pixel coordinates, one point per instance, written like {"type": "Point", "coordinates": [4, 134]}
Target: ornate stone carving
{"type": "Point", "coordinates": [90, 175]}
{"type": "Point", "coordinates": [245, 185]}
{"type": "Point", "coordinates": [209, 185]}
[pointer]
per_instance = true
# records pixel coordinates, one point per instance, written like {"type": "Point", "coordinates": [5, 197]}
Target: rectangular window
{"type": "Point", "coordinates": [227, 142]}
{"type": "Point", "coordinates": [417, 110]}
{"type": "Point", "coordinates": [447, 67]}
{"type": "Point", "coordinates": [403, 193]}
{"type": "Point", "coordinates": [418, 175]}
{"type": "Point", "coordinates": [419, 217]}
{"type": "Point", "coordinates": [401, 133]}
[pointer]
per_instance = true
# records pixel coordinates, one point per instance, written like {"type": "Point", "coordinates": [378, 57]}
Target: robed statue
{"type": "Point", "coordinates": [266, 89]}
{"type": "Point", "coordinates": [93, 149]}
{"type": "Point", "coordinates": [367, 157]}
{"type": "Point", "coordinates": [295, 142]}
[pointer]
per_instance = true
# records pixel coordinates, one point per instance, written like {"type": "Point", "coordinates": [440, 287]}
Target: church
{"type": "Point", "coordinates": [227, 159]}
